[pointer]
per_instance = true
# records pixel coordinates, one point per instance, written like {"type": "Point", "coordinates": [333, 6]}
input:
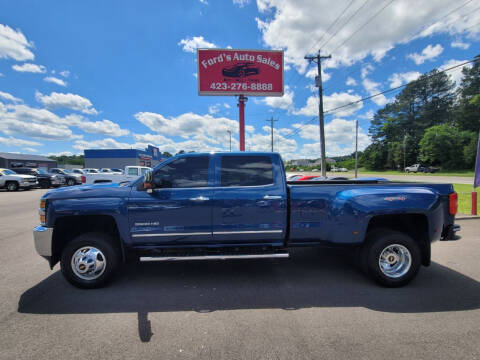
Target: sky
{"type": "Point", "coordinates": [78, 75]}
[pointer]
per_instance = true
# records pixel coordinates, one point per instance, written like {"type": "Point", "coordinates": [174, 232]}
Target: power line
{"type": "Point", "coordinates": [365, 24]}
{"type": "Point", "coordinates": [329, 111]}
{"type": "Point", "coordinates": [345, 24]}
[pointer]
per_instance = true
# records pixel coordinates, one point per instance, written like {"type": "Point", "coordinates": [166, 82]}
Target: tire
{"type": "Point", "coordinates": [70, 182]}
{"type": "Point", "coordinates": [106, 253]}
{"type": "Point", "coordinates": [401, 257]}
{"type": "Point", "coordinates": [27, 188]}
{"type": "Point", "coordinates": [12, 186]}
{"type": "Point", "coordinates": [45, 184]}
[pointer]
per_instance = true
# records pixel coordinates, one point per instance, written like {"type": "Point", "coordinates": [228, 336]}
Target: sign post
{"type": "Point", "coordinates": [240, 73]}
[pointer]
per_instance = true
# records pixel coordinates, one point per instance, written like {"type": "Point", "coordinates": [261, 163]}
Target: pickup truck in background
{"type": "Point", "coordinates": [240, 206]}
{"type": "Point", "coordinates": [12, 181]}
{"type": "Point", "coordinates": [130, 173]}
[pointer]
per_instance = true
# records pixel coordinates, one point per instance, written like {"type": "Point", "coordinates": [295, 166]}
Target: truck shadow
{"type": "Point", "coordinates": [313, 277]}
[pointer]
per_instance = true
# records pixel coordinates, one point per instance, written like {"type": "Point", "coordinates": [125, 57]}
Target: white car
{"type": "Point", "coordinates": [90, 171]}
{"type": "Point", "coordinates": [335, 169]}
{"type": "Point", "coordinates": [12, 181]}
{"type": "Point", "coordinates": [131, 173]}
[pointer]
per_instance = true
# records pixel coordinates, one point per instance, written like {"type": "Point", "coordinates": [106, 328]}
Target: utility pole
{"type": "Point", "coordinates": [356, 149]}
{"type": "Point", "coordinates": [318, 83]}
{"type": "Point", "coordinates": [230, 133]}
{"type": "Point", "coordinates": [404, 140]}
{"type": "Point", "coordinates": [271, 127]}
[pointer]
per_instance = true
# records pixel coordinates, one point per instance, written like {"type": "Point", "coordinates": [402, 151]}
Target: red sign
{"type": "Point", "coordinates": [240, 72]}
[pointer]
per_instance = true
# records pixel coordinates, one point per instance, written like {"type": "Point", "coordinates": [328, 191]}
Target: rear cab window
{"type": "Point", "coordinates": [246, 170]}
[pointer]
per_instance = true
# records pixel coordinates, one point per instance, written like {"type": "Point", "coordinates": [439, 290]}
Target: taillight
{"type": "Point", "coordinates": [42, 211]}
{"type": "Point", "coordinates": [453, 203]}
{"type": "Point", "coordinates": [84, 179]}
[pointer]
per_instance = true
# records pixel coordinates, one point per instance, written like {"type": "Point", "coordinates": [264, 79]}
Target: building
{"type": "Point", "coordinates": [119, 158]}
{"type": "Point", "coordinates": [12, 160]}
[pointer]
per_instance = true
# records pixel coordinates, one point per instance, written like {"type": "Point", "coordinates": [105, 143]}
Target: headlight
{"type": "Point", "coordinates": [42, 211]}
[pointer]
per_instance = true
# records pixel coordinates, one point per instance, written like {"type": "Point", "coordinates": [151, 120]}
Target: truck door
{"type": "Point", "coordinates": [179, 212]}
{"type": "Point", "coordinates": [250, 204]}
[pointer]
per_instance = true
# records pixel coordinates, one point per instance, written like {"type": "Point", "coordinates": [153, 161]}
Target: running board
{"type": "Point", "coordinates": [213, 257]}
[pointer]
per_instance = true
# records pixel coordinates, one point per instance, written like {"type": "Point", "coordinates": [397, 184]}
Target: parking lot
{"type": "Point", "coordinates": [312, 306]}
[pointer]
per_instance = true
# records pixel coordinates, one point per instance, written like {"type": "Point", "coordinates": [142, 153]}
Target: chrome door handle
{"type": "Point", "coordinates": [272, 197]}
{"type": "Point", "coordinates": [200, 198]}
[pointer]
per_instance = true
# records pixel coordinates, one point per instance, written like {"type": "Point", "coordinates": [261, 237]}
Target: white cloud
{"type": "Point", "coordinates": [366, 69]}
{"type": "Point", "coordinates": [284, 102]}
{"type": "Point", "coordinates": [1, 75]}
{"type": "Point", "coordinates": [241, 3]}
{"type": "Point", "coordinates": [65, 73]}
{"type": "Point", "coordinates": [32, 122]}
{"type": "Point", "coordinates": [195, 75]}
{"type": "Point", "coordinates": [9, 97]}
{"type": "Point", "coordinates": [61, 153]}
{"type": "Point", "coordinates": [397, 79]}
{"type": "Point", "coordinates": [454, 74]}
{"type": "Point", "coordinates": [29, 67]}
{"type": "Point", "coordinates": [192, 44]}
{"type": "Point", "coordinates": [313, 72]}
{"type": "Point", "coordinates": [227, 106]}
{"type": "Point", "coordinates": [14, 45]}
{"type": "Point", "coordinates": [107, 143]}
{"type": "Point", "coordinates": [372, 88]}
{"type": "Point", "coordinates": [213, 109]}
{"type": "Point", "coordinates": [104, 127]}
{"type": "Point", "coordinates": [339, 138]}
{"type": "Point", "coordinates": [459, 45]}
{"type": "Point", "coordinates": [331, 102]}
{"type": "Point", "coordinates": [70, 101]}
{"type": "Point", "coordinates": [297, 27]}
{"type": "Point", "coordinates": [29, 149]}
{"type": "Point", "coordinates": [11, 141]}
{"type": "Point", "coordinates": [55, 80]}
{"type": "Point", "coordinates": [351, 82]}
{"type": "Point", "coordinates": [429, 53]}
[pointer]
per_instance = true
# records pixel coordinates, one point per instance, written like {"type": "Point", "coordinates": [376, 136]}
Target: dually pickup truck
{"type": "Point", "coordinates": [240, 206]}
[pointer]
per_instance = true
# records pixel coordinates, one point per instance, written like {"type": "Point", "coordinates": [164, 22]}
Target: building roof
{"type": "Point", "coordinates": [14, 156]}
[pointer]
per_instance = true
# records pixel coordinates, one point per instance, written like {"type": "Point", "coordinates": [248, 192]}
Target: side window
{"type": "Point", "coordinates": [246, 170]}
{"type": "Point", "coordinates": [133, 171]}
{"type": "Point", "coordinates": [184, 173]}
{"type": "Point", "coordinates": [144, 170]}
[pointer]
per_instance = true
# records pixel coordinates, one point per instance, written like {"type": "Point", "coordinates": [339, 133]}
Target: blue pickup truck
{"type": "Point", "coordinates": [240, 206]}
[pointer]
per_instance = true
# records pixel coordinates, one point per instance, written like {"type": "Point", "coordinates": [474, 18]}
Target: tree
{"type": "Point", "coordinates": [166, 154]}
{"type": "Point", "coordinates": [467, 112]}
{"type": "Point", "coordinates": [444, 145]}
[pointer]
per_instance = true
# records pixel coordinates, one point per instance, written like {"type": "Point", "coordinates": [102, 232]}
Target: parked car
{"type": "Point", "coordinates": [70, 178]}
{"type": "Point", "coordinates": [78, 171]}
{"type": "Point", "coordinates": [130, 173]}
{"type": "Point", "coordinates": [415, 168]}
{"type": "Point", "coordinates": [238, 205]}
{"type": "Point", "coordinates": [45, 180]}
{"type": "Point", "coordinates": [293, 177]}
{"type": "Point", "coordinates": [90, 171]}
{"type": "Point", "coordinates": [110, 171]}
{"type": "Point", "coordinates": [336, 169]}
{"type": "Point", "coordinates": [12, 181]}
{"type": "Point", "coordinates": [306, 177]}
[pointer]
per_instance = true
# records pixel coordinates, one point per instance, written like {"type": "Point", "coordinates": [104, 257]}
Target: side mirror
{"type": "Point", "coordinates": [148, 180]}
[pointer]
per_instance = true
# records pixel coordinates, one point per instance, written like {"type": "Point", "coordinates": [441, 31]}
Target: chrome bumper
{"type": "Point", "coordinates": [42, 237]}
{"type": "Point", "coordinates": [28, 184]}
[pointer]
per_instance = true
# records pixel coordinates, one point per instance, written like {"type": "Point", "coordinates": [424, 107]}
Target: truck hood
{"type": "Point", "coordinates": [22, 176]}
{"type": "Point", "coordinates": [89, 191]}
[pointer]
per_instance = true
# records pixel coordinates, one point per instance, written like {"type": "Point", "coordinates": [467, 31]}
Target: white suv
{"type": "Point", "coordinates": [12, 181]}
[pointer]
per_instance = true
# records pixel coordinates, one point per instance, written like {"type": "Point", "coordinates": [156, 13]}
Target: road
{"type": "Point", "coordinates": [315, 305]}
{"type": "Point", "coordinates": [402, 177]}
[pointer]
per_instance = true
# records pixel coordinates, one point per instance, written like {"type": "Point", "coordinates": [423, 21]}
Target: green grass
{"type": "Point", "coordinates": [464, 192]}
{"type": "Point", "coordinates": [468, 173]}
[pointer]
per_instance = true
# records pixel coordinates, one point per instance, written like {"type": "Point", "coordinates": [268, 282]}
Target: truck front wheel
{"type": "Point", "coordinates": [391, 258]}
{"type": "Point", "coordinates": [90, 260]}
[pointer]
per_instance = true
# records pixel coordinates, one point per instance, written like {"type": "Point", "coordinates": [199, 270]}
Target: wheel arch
{"type": "Point", "coordinates": [414, 225]}
{"type": "Point", "coordinates": [67, 228]}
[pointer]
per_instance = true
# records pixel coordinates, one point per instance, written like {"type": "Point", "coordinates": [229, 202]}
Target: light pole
{"type": "Point", "coordinates": [230, 133]}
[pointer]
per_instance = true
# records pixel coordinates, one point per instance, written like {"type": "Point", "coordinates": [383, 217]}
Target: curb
{"type": "Point", "coordinates": [467, 217]}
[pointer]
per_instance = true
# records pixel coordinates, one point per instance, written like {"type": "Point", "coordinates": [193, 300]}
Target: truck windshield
{"type": "Point", "coordinates": [9, 172]}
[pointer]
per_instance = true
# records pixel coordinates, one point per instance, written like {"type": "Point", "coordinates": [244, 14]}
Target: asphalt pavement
{"type": "Point", "coordinates": [316, 305]}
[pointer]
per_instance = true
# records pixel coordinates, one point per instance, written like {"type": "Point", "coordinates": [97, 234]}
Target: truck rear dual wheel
{"type": "Point", "coordinates": [390, 257]}
{"type": "Point", "coordinates": [90, 260]}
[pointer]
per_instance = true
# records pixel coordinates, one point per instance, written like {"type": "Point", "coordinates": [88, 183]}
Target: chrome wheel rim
{"type": "Point", "coordinates": [12, 186]}
{"type": "Point", "coordinates": [395, 261]}
{"type": "Point", "coordinates": [88, 263]}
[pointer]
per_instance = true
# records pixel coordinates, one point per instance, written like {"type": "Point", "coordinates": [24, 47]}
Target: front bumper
{"type": "Point", "coordinates": [42, 237]}
{"type": "Point", "coordinates": [57, 181]}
